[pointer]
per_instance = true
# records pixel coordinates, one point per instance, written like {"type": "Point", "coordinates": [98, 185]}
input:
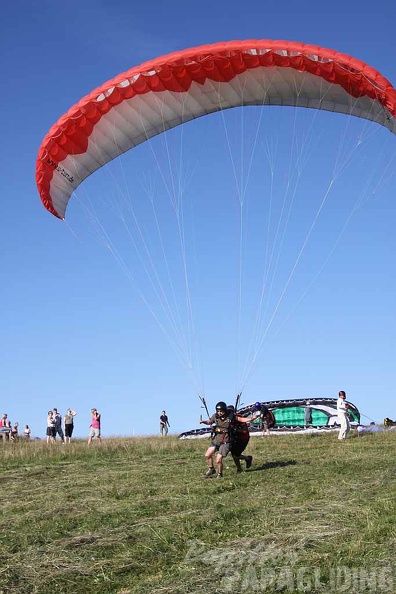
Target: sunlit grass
{"type": "Point", "coordinates": [135, 515]}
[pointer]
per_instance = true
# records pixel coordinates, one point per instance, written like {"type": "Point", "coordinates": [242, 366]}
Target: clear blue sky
{"type": "Point", "coordinates": [75, 331]}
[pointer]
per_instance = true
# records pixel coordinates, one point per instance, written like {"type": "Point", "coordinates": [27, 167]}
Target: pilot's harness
{"type": "Point", "coordinates": [223, 430]}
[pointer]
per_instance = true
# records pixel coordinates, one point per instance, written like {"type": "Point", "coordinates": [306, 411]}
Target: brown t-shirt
{"type": "Point", "coordinates": [222, 428]}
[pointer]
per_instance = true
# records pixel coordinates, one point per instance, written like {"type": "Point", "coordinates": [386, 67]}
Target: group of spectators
{"type": "Point", "coordinates": [56, 427]}
{"type": "Point", "coordinates": [63, 427]}
{"type": "Point", "coordinates": [9, 431]}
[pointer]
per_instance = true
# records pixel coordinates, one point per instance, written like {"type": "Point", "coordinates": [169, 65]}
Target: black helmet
{"type": "Point", "coordinates": [257, 405]}
{"type": "Point", "coordinates": [231, 407]}
{"type": "Point", "coordinates": [221, 406]}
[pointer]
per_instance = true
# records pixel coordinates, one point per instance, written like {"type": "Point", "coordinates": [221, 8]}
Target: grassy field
{"type": "Point", "coordinates": [136, 516]}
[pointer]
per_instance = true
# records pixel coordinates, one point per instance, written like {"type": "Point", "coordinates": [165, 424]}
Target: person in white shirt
{"type": "Point", "coordinates": [50, 427]}
{"type": "Point", "coordinates": [342, 410]}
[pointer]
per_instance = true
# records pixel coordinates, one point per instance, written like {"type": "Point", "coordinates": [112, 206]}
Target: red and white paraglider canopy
{"type": "Point", "coordinates": [174, 89]}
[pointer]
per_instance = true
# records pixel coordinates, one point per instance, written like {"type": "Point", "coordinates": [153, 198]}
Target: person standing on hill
{"type": "Point", "coordinates": [164, 423]}
{"type": "Point", "coordinates": [68, 422]}
{"type": "Point", "coordinates": [58, 425]}
{"type": "Point", "coordinates": [50, 427]}
{"type": "Point", "coordinates": [94, 428]}
{"type": "Point", "coordinates": [342, 410]}
{"type": "Point", "coordinates": [4, 433]}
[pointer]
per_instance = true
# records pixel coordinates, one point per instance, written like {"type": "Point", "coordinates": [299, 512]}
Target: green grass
{"type": "Point", "coordinates": [136, 516]}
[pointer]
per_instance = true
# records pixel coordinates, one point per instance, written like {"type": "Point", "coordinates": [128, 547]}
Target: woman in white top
{"type": "Point", "coordinates": [50, 427]}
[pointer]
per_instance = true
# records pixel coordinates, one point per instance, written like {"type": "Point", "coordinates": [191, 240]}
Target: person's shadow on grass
{"type": "Point", "coordinates": [275, 464]}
